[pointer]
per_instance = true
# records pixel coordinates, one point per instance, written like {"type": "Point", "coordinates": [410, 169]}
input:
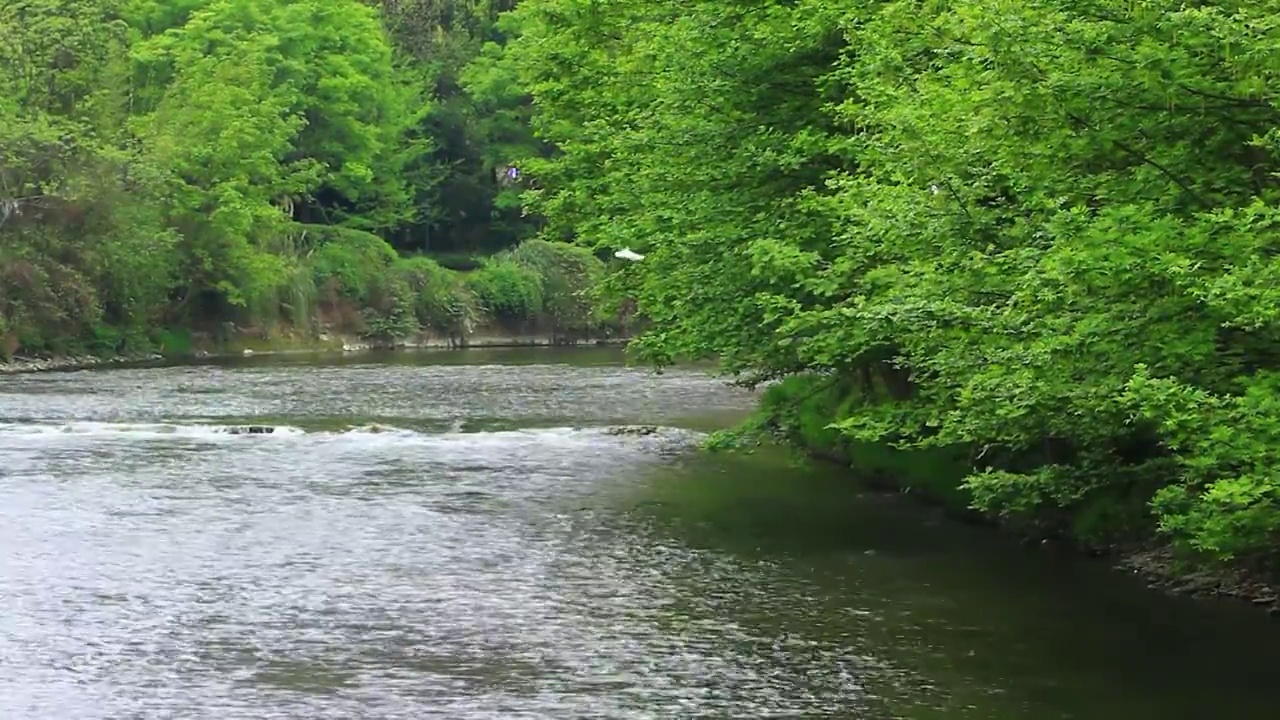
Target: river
{"type": "Point", "coordinates": [458, 535]}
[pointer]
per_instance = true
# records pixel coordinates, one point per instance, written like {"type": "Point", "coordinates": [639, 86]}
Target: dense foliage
{"type": "Point", "coordinates": [176, 166]}
{"type": "Point", "coordinates": [1039, 231]}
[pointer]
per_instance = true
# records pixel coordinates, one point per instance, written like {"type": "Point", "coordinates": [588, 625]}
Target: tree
{"type": "Point", "coordinates": [478, 124]}
{"type": "Point", "coordinates": [75, 226]}
{"type": "Point", "coordinates": [331, 66]}
{"type": "Point", "coordinates": [1042, 231]}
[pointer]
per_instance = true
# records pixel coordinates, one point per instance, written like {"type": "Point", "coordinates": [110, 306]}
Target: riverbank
{"type": "Point", "coordinates": [321, 344]}
{"type": "Point", "coordinates": [21, 365]}
{"type": "Point", "coordinates": [1118, 529]}
{"type": "Point", "coordinates": [354, 290]}
{"type": "Point", "coordinates": [1155, 562]}
{"type": "Point", "coordinates": [1163, 570]}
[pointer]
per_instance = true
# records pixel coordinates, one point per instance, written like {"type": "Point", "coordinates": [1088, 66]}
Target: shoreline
{"type": "Point", "coordinates": [1155, 564]}
{"type": "Point", "coordinates": [1162, 571]}
{"type": "Point", "coordinates": [27, 365]}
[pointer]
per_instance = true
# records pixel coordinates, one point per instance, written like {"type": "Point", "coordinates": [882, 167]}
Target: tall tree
{"type": "Point", "coordinates": [478, 123]}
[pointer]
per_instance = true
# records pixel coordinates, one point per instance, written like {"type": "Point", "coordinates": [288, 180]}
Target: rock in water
{"type": "Point", "coordinates": [633, 430]}
{"type": "Point", "coordinates": [252, 430]}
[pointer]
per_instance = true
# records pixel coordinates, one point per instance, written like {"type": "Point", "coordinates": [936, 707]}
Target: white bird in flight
{"type": "Point", "coordinates": [627, 254]}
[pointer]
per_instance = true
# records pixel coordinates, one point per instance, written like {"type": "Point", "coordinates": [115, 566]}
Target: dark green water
{"type": "Point", "coordinates": [458, 535]}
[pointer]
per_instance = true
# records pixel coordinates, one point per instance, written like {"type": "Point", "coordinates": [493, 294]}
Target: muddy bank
{"type": "Point", "coordinates": [483, 340]}
{"type": "Point", "coordinates": [229, 339]}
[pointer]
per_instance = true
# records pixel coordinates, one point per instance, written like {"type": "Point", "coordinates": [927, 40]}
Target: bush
{"type": "Point", "coordinates": [459, 261]}
{"type": "Point", "coordinates": [569, 274]}
{"type": "Point", "coordinates": [297, 296]}
{"type": "Point", "coordinates": [441, 300]}
{"type": "Point", "coordinates": [361, 267]}
{"type": "Point", "coordinates": [48, 305]}
{"type": "Point", "coordinates": [507, 290]}
{"type": "Point", "coordinates": [802, 409]}
{"type": "Point", "coordinates": [107, 340]}
{"type": "Point", "coordinates": [174, 341]}
{"type": "Point", "coordinates": [135, 268]}
{"type": "Point", "coordinates": [352, 260]}
{"type": "Point", "coordinates": [390, 312]}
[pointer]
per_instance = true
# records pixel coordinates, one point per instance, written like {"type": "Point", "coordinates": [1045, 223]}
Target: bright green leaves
{"type": "Point", "coordinates": [75, 225]}
{"type": "Point", "coordinates": [224, 133]}
{"type": "Point", "coordinates": [1083, 178]}
{"type": "Point", "coordinates": [169, 163]}
{"type": "Point", "coordinates": [353, 262]}
{"type": "Point", "coordinates": [1228, 500]}
{"type": "Point", "coordinates": [569, 278]}
{"type": "Point", "coordinates": [221, 123]}
{"type": "Point", "coordinates": [684, 132]}
{"type": "Point", "coordinates": [982, 216]}
{"type": "Point", "coordinates": [328, 64]}
{"type": "Point", "coordinates": [56, 53]}
{"type": "Point", "coordinates": [259, 109]}
{"type": "Point", "coordinates": [508, 290]}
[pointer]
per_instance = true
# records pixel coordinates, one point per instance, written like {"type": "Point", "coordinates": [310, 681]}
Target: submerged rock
{"type": "Point", "coordinates": [635, 430]}
{"type": "Point", "coordinates": [251, 430]}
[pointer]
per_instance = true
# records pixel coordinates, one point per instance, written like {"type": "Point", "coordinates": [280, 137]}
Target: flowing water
{"type": "Point", "coordinates": [461, 535]}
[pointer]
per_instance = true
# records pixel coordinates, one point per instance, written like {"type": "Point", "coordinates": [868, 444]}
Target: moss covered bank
{"type": "Point", "coordinates": [804, 412]}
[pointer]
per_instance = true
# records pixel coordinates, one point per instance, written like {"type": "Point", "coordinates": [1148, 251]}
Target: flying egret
{"type": "Point", "coordinates": [627, 254]}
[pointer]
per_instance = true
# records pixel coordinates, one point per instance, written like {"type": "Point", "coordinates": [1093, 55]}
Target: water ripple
{"type": "Point", "coordinates": [159, 567]}
{"type": "Point", "coordinates": [479, 541]}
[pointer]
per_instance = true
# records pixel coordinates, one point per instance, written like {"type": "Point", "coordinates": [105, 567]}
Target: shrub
{"type": "Point", "coordinates": [507, 290]}
{"type": "Point", "coordinates": [459, 261]}
{"type": "Point", "coordinates": [174, 341]}
{"type": "Point", "coordinates": [353, 260]}
{"type": "Point", "coordinates": [390, 313]}
{"type": "Point", "coordinates": [441, 300]}
{"type": "Point", "coordinates": [47, 305]}
{"type": "Point", "coordinates": [135, 267]}
{"type": "Point", "coordinates": [298, 295]}
{"type": "Point", "coordinates": [569, 274]}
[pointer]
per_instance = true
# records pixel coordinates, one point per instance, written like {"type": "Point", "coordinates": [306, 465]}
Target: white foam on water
{"type": "Point", "coordinates": [374, 434]}
{"type": "Point", "coordinates": [146, 448]}
{"type": "Point", "coordinates": [142, 431]}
